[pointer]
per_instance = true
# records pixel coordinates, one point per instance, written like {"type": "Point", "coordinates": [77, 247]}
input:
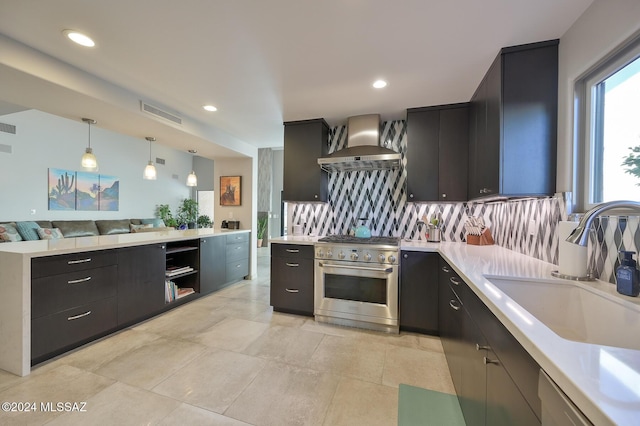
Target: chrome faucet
{"type": "Point", "coordinates": [580, 235]}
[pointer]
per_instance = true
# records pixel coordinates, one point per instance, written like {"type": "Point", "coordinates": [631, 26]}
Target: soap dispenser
{"type": "Point", "coordinates": [627, 275]}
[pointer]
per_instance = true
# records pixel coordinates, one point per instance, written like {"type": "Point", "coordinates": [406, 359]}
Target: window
{"type": "Point", "coordinates": [610, 126]}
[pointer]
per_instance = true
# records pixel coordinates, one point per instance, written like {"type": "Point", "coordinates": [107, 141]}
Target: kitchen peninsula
{"type": "Point", "coordinates": [122, 281]}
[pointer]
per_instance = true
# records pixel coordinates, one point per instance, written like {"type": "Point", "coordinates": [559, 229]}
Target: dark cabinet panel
{"type": "Point", "coordinates": [56, 333]}
{"type": "Point", "coordinates": [66, 263]}
{"type": "Point", "coordinates": [213, 264]}
{"type": "Point", "coordinates": [305, 142]}
{"type": "Point", "coordinates": [292, 278]}
{"type": "Point", "coordinates": [437, 153]}
{"type": "Point", "coordinates": [513, 130]}
{"type": "Point", "coordinates": [59, 292]}
{"type": "Point", "coordinates": [419, 292]}
{"type": "Point", "coordinates": [140, 282]}
{"type": "Point", "coordinates": [505, 404]}
{"type": "Point", "coordinates": [237, 257]}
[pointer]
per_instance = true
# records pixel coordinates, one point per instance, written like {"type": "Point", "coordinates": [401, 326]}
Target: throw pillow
{"type": "Point", "coordinates": [50, 233]}
{"type": "Point", "coordinates": [28, 230]}
{"type": "Point", "coordinates": [136, 228]}
{"type": "Point", "coordinates": [155, 222]}
{"type": "Point", "coordinates": [9, 233]}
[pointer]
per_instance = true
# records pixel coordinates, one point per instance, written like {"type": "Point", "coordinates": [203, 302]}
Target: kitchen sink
{"type": "Point", "coordinates": [574, 311]}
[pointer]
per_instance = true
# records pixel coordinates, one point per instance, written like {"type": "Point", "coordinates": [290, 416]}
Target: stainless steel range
{"type": "Point", "coordinates": [356, 282]}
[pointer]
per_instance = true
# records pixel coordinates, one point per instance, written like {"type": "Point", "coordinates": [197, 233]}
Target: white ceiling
{"type": "Point", "coordinates": [262, 62]}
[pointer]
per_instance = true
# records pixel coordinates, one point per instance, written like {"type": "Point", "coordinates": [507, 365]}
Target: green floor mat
{"type": "Point", "coordinates": [423, 407]}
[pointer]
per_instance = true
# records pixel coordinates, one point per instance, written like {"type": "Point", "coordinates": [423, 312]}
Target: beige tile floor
{"type": "Point", "coordinates": [228, 359]}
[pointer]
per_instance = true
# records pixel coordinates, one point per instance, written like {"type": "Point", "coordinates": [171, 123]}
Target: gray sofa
{"type": "Point", "coordinates": [26, 230]}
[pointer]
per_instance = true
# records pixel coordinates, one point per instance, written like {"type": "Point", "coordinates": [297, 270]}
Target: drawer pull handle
{"type": "Point", "coordinates": [293, 265]}
{"type": "Point", "coordinates": [81, 280]}
{"type": "Point", "coordinates": [490, 361]}
{"type": "Point", "coordinates": [293, 251]}
{"type": "Point", "coordinates": [482, 347]}
{"type": "Point", "coordinates": [453, 305]}
{"type": "Point", "coordinates": [74, 262]}
{"type": "Point", "coordinates": [454, 280]}
{"type": "Point", "coordinates": [445, 269]}
{"type": "Point", "coordinates": [75, 317]}
{"type": "Point", "coordinates": [238, 265]}
{"type": "Point", "coordinates": [291, 290]}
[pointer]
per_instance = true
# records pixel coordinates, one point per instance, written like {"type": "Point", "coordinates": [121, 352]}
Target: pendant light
{"type": "Point", "coordinates": [192, 179]}
{"type": "Point", "coordinates": [150, 170]}
{"type": "Point", "coordinates": [89, 161]}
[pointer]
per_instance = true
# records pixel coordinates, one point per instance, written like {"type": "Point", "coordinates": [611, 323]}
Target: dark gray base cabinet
{"type": "Point", "coordinates": [213, 264]}
{"type": "Point", "coordinates": [419, 292]}
{"type": "Point", "coordinates": [494, 377]}
{"type": "Point", "coordinates": [140, 282]}
{"type": "Point", "coordinates": [292, 278]}
{"type": "Point", "coordinates": [73, 300]}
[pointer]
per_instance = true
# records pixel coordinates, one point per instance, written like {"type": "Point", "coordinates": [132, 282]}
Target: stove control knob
{"type": "Point", "coordinates": [381, 258]}
{"type": "Point", "coordinates": [392, 259]}
{"type": "Point", "coordinates": [320, 253]}
{"type": "Point", "coordinates": [329, 254]}
{"type": "Point", "coordinates": [354, 256]}
{"type": "Point", "coordinates": [367, 257]}
{"type": "Point", "coordinates": [341, 255]}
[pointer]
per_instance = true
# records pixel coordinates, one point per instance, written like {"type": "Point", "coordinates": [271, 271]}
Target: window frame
{"type": "Point", "coordinates": [588, 119]}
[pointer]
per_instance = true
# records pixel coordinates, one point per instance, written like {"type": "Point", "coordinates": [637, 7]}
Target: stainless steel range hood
{"type": "Point", "coordinates": [363, 151]}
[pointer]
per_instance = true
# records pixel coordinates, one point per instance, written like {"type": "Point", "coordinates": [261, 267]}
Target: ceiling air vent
{"type": "Point", "coordinates": [157, 112]}
{"type": "Point", "coordinates": [8, 128]}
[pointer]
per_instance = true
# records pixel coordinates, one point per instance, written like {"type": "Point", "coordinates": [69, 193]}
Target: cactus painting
{"type": "Point", "coordinates": [62, 189]}
{"type": "Point", "coordinates": [69, 190]}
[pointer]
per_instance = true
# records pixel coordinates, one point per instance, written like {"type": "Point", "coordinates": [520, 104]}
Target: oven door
{"type": "Point", "coordinates": [356, 291]}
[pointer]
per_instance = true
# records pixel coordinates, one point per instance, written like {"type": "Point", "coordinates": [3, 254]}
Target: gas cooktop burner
{"type": "Point", "coordinates": [350, 239]}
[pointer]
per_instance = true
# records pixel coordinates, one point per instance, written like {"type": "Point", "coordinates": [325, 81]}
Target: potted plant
{"type": "Point", "coordinates": [204, 221]}
{"type": "Point", "coordinates": [262, 228]}
{"type": "Point", "coordinates": [188, 213]}
{"type": "Point", "coordinates": [164, 212]}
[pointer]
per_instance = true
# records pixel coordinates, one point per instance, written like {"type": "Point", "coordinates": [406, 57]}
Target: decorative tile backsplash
{"type": "Point", "coordinates": [526, 226]}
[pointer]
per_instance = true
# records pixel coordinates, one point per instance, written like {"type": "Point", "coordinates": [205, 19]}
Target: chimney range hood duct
{"type": "Point", "coordinates": [363, 151]}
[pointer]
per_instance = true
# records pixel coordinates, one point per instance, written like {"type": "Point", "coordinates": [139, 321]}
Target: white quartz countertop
{"type": "Point", "coordinates": [603, 381]}
{"type": "Point", "coordinates": [41, 248]}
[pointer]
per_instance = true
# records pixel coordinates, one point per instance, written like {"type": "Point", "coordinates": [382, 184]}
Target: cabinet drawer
{"type": "Point", "coordinates": [237, 251]}
{"type": "Point", "coordinates": [238, 238]}
{"type": "Point", "coordinates": [53, 333]}
{"type": "Point", "coordinates": [60, 292]}
{"type": "Point", "coordinates": [237, 270]}
{"type": "Point", "coordinates": [292, 250]}
{"type": "Point", "coordinates": [292, 298]}
{"type": "Point", "coordinates": [65, 263]}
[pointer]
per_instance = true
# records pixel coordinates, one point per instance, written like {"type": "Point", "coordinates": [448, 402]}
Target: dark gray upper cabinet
{"type": "Point", "coordinates": [513, 124]}
{"type": "Point", "coordinates": [304, 142]}
{"type": "Point", "coordinates": [437, 152]}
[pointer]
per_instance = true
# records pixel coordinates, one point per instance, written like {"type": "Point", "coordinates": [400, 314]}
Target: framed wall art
{"type": "Point", "coordinates": [230, 190]}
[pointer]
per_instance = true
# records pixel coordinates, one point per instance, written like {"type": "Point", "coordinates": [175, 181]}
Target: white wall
{"type": "Point", "coordinates": [604, 25]}
{"type": "Point", "coordinates": [248, 209]}
{"type": "Point", "coordinates": [43, 140]}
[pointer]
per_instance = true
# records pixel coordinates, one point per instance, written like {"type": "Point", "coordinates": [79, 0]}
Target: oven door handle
{"type": "Point", "coordinates": [360, 268]}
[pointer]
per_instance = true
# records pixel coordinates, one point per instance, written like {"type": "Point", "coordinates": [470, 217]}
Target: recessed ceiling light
{"type": "Point", "coordinates": [79, 38]}
{"type": "Point", "coordinates": [379, 84]}
{"type": "Point", "coordinates": [210, 108]}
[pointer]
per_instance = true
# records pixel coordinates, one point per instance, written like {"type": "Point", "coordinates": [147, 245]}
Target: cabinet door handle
{"type": "Point", "coordinates": [293, 265]}
{"type": "Point", "coordinates": [75, 317]}
{"type": "Point", "coordinates": [238, 265]}
{"type": "Point", "coordinates": [293, 251]}
{"type": "Point", "coordinates": [453, 304]}
{"type": "Point", "coordinates": [482, 347]}
{"type": "Point", "coordinates": [291, 290]}
{"type": "Point", "coordinates": [81, 280]}
{"type": "Point", "coordinates": [454, 280]}
{"type": "Point", "coordinates": [445, 269]}
{"type": "Point", "coordinates": [490, 361]}
{"type": "Point", "coordinates": [73, 262]}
